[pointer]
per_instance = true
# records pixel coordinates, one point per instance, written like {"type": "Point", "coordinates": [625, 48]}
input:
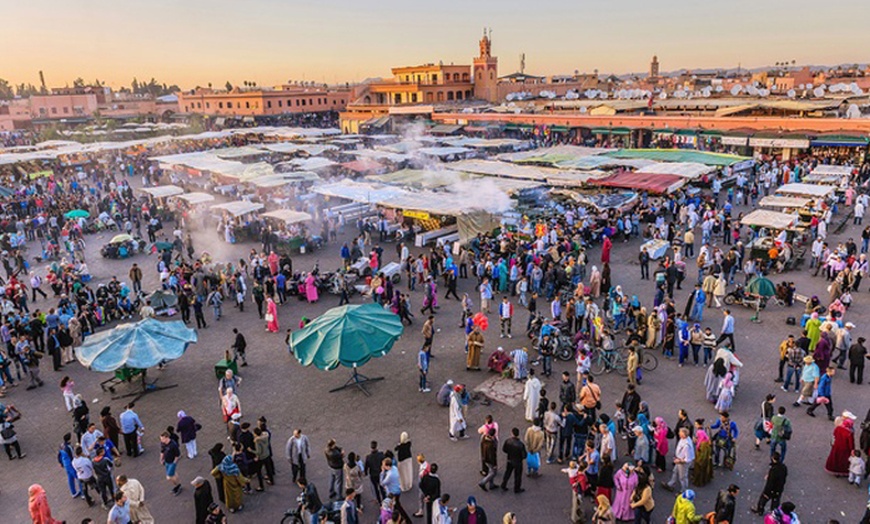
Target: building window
{"type": "Point", "coordinates": [303, 101]}
{"type": "Point", "coordinates": [491, 75]}
{"type": "Point", "coordinates": [65, 110]}
{"type": "Point", "coordinates": [440, 96]}
{"type": "Point", "coordinates": [459, 95]}
{"type": "Point", "coordinates": [311, 101]}
{"type": "Point", "coordinates": [456, 77]}
{"type": "Point", "coordinates": [413, 97]}
{"type": "Point", "coordinates": [465, 77]}
{"type": "Point", "coordinates": [54, 110]}
{"type": "Point", "coordinates": [199, 105]}
{"type": "Point", "coordinates": [247, 105]}
{"type": "Point", "coordinates": [397, 98]}
{"type": "Point", "coordinates": [220, 105]}
{"type": "Point", "coordinates": [479, 75]}
{"type": "Point", "coordinates": [268, 103]}
{"type": "Point", "coordinates": [434, 79]}
{"type": "Point", "coordinates": [297, 102]}
{"type": "Point", "coordinates": [449, 95]}
{"type": "Point", "coordinates": [208, 105]}
{"type": "Point", "coordinates": [280, 102]}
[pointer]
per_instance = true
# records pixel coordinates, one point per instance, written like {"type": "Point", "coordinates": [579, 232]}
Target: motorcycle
{"type": "Point", "coordinates": [297, 515]}
{"type": "Point", "coordinates": [740, 297]}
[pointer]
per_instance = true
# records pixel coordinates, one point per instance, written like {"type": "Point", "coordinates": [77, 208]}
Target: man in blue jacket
{"type": "Point", "coordinates": [824, 396]}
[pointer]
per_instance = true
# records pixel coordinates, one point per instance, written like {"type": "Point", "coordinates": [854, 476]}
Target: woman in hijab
{"type": "Point", "coordinates": [726, 394]}
{"type": "Point", "coordinates": [233, 482]}
{"type": "Point", "coordinates": [595, 282]}
{"type": "Point", "coordinates": [310, 289]}
{"type": "Point", "coordinates": [814, 330]}
{"type": "Point", "coordinates": [217, 456]}
{"type": "Point", "coordinates": [660, 436]}
{"type": "Point", "coordinates": [40, 513]}
{"type": "Point", "coordinates": [702, 473]}
{"type": "Point", "coordinates": [624, 482]}
{"type": "Point", "coordinates": [844, 442]}
{"type": "Point", "coordinates": [272, 315]}
{"type": "Point", "coordinates": [405, 466]}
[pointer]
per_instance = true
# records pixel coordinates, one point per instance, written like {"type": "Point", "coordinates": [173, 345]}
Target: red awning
{"type": "Point", "coordinates": [363, 165]}
{"type": "Point", "coordinates": [650, 182]}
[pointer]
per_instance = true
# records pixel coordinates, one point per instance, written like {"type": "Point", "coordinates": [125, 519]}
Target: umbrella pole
{"type": "Point", "coordinates": [357, 380]}
{"type": "Point", "coordinates": [146, 388]}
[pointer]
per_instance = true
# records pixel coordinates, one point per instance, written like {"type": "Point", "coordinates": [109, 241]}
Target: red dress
{"type": "Point", "coordinates": [844, 442]}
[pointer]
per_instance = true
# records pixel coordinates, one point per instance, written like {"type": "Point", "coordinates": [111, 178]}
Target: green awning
{"type": "Point", "coordinates": [527, 126]}
{"type": "Point", "coordinates": [600, 130]}
{"type": "Point", "coordinates": [509, 127]}
{"type": "Point", "coordinates": [686, 132]}
{"type": "Point", "coordinates": [620, 131]}
{"type": "Point", "coordinates": [560, 129]}
{"type": "Point", "coordinates": [711, 132]}
{"type": "Point", "coordinates": [839, 141]}
{"type": "Point", "coordinates": [663, 131]}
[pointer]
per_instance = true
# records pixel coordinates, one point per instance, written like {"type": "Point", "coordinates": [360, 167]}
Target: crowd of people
{"type": "Point", "coordinates": [611, 456]}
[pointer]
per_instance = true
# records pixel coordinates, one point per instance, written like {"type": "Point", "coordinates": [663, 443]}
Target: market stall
{"type": "Point", "coordinates": [775, 233]}
{"type": "Point", "coordinates": [238, 220]}
{"type": "Point", "coordinates": [290, 230]}
{"type": "Point", "coordinates": [805, 190]}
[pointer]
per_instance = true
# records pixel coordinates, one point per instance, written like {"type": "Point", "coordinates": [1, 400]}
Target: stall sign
{"type": "Point", "coordinates": [784, 143]}
{"type": "Point", "coordinates": [421, 215]}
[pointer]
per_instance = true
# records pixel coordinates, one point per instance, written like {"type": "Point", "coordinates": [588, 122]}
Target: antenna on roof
{"type": "Point", "coordinates": [522, 63]}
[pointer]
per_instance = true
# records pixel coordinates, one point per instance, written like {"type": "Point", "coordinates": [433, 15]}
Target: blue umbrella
{"type": "Point", "coordinates": [138, 345]}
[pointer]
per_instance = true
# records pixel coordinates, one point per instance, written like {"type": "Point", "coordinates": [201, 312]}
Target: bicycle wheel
{"type": "Point", "coordinates": [650, 361]}
{"type": "Point", "coordinates": [599, 365]}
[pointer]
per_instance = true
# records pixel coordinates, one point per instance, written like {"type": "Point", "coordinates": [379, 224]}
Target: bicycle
{"type": "Point", "coordinates": [649, 363]}
{"type": "Point", "coordinates": [607, 361]}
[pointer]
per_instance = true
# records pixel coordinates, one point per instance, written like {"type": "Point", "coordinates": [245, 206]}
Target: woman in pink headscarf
{"type": "Point", "coordinates": [273, 263]}
{"type": "Point", "coordinates": [844, 442]}
{"type": "Point", "coordinates": [271, 316]}
{"type": "Point", "coordinates": [702, 473]}
{"type": "Point", "coordinates": [40, 513]}
{"type": "Point", "coordinates": [310, 289]}
{"type": "Point", "coordinates": [660, 435]}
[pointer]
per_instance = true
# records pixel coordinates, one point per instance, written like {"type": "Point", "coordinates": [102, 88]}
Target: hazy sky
{"type": "Point", "coordinates": [194, 42]}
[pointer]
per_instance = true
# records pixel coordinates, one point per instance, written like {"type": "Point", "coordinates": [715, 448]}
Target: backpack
{"type": "Point", "coordinates": [786, 430]}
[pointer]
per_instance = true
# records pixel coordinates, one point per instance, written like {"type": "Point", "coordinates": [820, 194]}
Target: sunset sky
{"type": "Point", "coordinates": [194, 42]}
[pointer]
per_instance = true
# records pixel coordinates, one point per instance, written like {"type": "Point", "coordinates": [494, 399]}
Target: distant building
{"type": "Point", "coordinates": [258, 101]}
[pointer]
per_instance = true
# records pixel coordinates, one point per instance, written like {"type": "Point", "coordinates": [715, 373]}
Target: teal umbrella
{"type": "Point", "coordinates": [163, 246]}
{"type": "Point", "coordinates": [77, 213]}
{"type": "Point", "coordinates": [349, 336]}
{"type": "Point", "coordinates": [761, 286]}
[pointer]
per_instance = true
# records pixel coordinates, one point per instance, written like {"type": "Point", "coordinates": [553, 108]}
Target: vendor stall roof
{"type": "Point", "coordinates": [442, 152]}
{"type": "Point", "coordinates": [490, 197]}
{"type": "Point", "coordinates": [238, 152]}
{"type": "Point", "coordinates": [239, 208]}
{"type": "Point", "coordinates": [553, 155]}
{"type": "Point", "coordinates": [162, 191]}
{"type": "Point", "coordinates": [313, 163]}
{"type": "Point", "coordinates": [823, 169]}
{"type": "Point", "coordinates": [363, 165]}
{"type": "Point", "coordinates": [784, 202]}
{"type": "Point", "coordinates": [283, 179]}
{"type": "Point", "coordinates": [290, 148]}
{"type": "Point", "coordinates": [689, 170]}
{"type": "Point", "coordinates": [603, 162]}
{"type": "Point", "coordinates": [288, 216]}
{"type": "Point", "coordinates": [196, 198]}
{"type": "Point", "coordinates": [679, 155]}
{"type": "Point", "coordinates": [810, 190]}
{"type": "Point", "coordinates": [444, 178]}
{"type": "Point", "coordinates": [651, 183]}
{"type": "Point", "coordinates": [769, 219]}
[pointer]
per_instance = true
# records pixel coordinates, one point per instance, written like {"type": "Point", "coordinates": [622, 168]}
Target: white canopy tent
{"type": "Point", "coordinates": [769, 219]}
{"type": "Point", "coordinates": [808, 190]}
{"type": "Point", "coordinates": [195, 198]}
{"type": "Point", "coordinates": [162, 191]}
{"type": "Point", "coordinates": [288, 216]}
{"type": "Point", "coordinates": [788, 202]}
{"type": "Point", "coordinates": [239, 208]}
